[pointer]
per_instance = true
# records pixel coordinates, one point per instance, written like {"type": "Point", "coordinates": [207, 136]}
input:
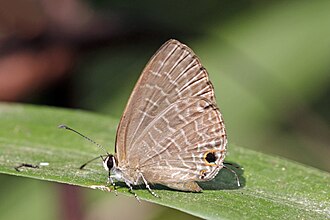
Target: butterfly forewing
{"type": "Point", "coordinates": [172, 74]}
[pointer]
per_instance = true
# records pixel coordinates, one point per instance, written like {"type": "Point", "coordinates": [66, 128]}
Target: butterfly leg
{"type": "Point", "coordinates": [131, 191]}
{"type": "Point", "coordinates": [147, 186]}
{"type": "Point", "coordinates": [110, 180]}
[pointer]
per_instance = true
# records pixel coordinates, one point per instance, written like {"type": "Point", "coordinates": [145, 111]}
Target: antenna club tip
{"type": "Point", "coordinates": [63, 126]}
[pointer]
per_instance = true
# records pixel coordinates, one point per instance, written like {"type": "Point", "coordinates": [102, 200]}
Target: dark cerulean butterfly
{"type": "Point", "coordinates": [171, 132]}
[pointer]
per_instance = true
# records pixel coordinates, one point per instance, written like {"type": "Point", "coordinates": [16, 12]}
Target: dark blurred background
{"type": "Point", "coordinates": [268, 61]}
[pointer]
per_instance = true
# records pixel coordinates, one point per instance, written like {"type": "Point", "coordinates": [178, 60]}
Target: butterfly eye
{"type": "Point", "coordinates": [110, 162]}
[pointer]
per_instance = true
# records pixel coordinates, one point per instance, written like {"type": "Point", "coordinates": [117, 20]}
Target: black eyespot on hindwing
{"type": "Point", "coordinates": [210, 157]}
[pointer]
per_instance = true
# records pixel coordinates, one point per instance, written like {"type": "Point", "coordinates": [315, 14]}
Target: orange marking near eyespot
{"type": "Point", "coordinates": [202, 173]}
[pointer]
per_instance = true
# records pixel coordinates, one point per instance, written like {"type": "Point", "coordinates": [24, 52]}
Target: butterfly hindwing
{"type": "Point", "coordinates": [175, 145]}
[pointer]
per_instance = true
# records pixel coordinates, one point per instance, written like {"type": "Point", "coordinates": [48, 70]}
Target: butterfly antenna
{"type": "Point", "coordinates": [87, 138]}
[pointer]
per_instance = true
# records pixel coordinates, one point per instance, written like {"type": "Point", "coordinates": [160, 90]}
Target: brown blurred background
{"type": "Point", "coordinates": [268, 61]}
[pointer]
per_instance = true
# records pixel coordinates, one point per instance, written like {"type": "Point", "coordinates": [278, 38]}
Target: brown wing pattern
{"type": "Point", "coordinates": [173, 73]}
{"type": "Point", "coordinates": [174, 145]}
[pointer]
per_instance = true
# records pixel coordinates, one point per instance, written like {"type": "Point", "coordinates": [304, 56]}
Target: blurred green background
{"type": "Point", "coordinates": [268, 61]}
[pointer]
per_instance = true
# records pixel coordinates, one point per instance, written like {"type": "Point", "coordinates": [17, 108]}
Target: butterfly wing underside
{"type": "Point", "coordinates": [185, 143]}
{"type": "Point", "coordinates": [171, 121]}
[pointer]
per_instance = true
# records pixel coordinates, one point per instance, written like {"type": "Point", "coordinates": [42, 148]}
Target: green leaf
{"type": "Point", "coordinates": [271, 187]}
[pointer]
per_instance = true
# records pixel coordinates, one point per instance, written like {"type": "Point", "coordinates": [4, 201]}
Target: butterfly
{"type": "Point", "coordinates": [171, 132]}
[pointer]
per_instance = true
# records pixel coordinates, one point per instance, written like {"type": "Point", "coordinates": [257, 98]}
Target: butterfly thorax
{"type": "Point", "coordinates": [122, 172]}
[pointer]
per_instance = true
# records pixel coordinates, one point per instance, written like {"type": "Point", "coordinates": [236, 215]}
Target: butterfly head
{"type": "Point", "coordinates": [109, 162]}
